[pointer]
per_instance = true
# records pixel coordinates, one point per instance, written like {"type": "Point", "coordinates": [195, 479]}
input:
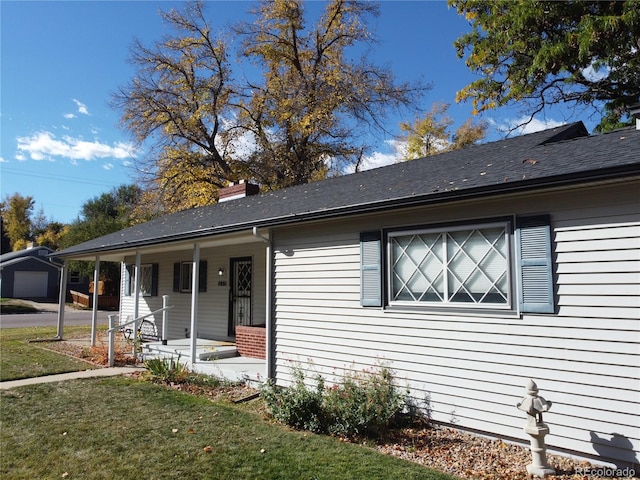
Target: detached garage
{"type": "Point", "coordinates": [29, 274]}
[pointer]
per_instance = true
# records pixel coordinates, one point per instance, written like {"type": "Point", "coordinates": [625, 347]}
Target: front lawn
{"type": "Point", "coordinates": [21, 359]}
{"type": "Point", "coordinates": [120, 428]}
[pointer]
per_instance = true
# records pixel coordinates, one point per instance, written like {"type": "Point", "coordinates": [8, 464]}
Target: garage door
{"type": "Point", "coordinates": [30, 284]}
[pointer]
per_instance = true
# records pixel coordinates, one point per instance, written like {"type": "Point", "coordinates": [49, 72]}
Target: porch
{"type": "Point", "coordinates": [214, 357]}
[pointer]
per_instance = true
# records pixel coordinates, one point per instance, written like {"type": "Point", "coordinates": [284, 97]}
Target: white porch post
{"type": "Point", "coordinates": [94, 313]}
{"type": "Point", "coordinates": [136, 291]}
{"type": "Point", "coordinates": [62, 298]}
{"type": "Point", "coordinates": [270, 340]}
{"type": "Point", "coordinates": [194, 301]}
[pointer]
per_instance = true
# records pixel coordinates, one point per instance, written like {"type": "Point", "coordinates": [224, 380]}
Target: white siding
{"type": "Point", "coordinates": [474, 367]}
{"type": "Point", "coordinates": [213, 305]}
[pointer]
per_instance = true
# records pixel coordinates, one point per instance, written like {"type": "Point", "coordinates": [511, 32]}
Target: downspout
{"type": "Point", "coordinates": [270, 344]}
{"type": "Point", "coordinates": [62, 298]}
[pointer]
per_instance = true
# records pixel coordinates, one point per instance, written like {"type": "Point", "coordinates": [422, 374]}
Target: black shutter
{"type": "Point", "coordinates": [154, 279]}
{"type": "Point", "coordinates": [127, 279]}
{"type": "Point", "coordinates": [535, 272]}
{"type": "Point", "coordinates": [371, 269]}
{"type": "Point", "coordinates": [202, 279]}
{"type": "Point", "coordinates": [176, 277]}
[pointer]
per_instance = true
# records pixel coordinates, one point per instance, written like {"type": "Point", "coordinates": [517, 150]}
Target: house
{"type": "Point", "coordinates": [29, 273]}
{"type": "Point", "coordinates": [468, 273]}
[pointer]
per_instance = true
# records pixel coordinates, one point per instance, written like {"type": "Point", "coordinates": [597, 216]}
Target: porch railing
{"type": "Point", "coordinates": [113, 328]}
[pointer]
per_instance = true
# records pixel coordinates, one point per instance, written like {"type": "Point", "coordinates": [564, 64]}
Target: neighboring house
{"type": "Point", "coordinates": [30, 273]}
{"type": "Point", "coordinates": [468, 273]}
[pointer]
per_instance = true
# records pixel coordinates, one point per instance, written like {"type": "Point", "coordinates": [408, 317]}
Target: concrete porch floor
{"type": "Point", "coordinates": [214, 357]}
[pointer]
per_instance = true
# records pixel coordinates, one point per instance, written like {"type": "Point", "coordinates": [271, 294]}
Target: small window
{"type": "Point", "coordinates": [186, 276]}
{"type": "Point", "coordinates": [148, 280]}
{"type": "Point", "coordinates": [74, 277]}
{"type": "Point", "coordinates": [451, 267]}
{"type": "Point", "coordinates": [183, 276]}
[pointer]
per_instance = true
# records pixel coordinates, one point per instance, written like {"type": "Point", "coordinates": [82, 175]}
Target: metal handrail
{"type": "Point", "coordinates": [112, 327]}
{"type": "Point", "coordinates": [121, 325]}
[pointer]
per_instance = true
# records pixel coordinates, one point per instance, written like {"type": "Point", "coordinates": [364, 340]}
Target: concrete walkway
{"type": "Point", "coordinates": [98, 372]}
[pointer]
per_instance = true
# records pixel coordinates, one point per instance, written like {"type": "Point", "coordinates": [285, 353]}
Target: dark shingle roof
{"type": "Point", "coordinates": [558, 156]}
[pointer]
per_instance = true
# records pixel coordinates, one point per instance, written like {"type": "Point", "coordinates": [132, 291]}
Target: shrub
{"type": "Point", "coordinates": [167, 370]}
{"type": "Point", "coordinates": [363, 404]}
{"type": "Point", "coordinates": [296, 405]}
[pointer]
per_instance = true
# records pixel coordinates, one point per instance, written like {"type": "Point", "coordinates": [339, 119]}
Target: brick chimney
{"type": "Point", "coordinates": [237, 190]}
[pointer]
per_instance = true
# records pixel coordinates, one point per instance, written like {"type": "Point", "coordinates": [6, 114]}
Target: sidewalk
{"type": "Point", "coordinates": [98, 372]}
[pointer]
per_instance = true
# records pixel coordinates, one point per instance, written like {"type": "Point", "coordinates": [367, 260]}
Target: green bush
{"type": "Point", "coordinates": [363, 404]}
{"type": "Point", "coordinates": [297, 405]}
{"type": "Point", "coordinates": [170, 370]}
{"type": "Point", "coordinates": [167, 370]}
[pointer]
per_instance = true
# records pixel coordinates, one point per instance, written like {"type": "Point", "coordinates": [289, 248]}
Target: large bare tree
{"type": "Point", "coordinates": [298, 114]}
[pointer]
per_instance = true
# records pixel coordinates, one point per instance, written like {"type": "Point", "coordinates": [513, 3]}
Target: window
{"type": "Point", "coordinates": [186, 276]}
{"type": "Point", "coordinates": [470, 266]}
{"type": "Point", "coordinates": [451, 267]}
{"type": "Point", "coordinates": [74, 277]}
{"type": "Point", "coordinates": [148, 280]}
{"type": "Point", "coordinates": [183, 276]}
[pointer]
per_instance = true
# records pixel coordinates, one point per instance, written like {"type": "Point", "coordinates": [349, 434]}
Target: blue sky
{"type": "Point", "coordinates": [60, 62]}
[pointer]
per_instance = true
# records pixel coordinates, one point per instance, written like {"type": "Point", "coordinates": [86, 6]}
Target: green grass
{"type": "Point", "coordinates": [10, 306]}
{"type": "Point", "coordinates": [20, 359]}
{"type": "Point", "coordinates": [119, 428]}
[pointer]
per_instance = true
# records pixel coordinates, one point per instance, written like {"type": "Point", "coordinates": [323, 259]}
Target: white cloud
{"type": "Point", "coordinates": [45, 146]}
{"type": "Point", "coordinates": [82, 108]}
{"type": "Point", "coordinates": [535, 125]}
{"type": "Point", "coordinates": [69, 115]}
{"type": "Point", "coordinates": [522, 125]}
{"type": "Point", "coordinates": [396, 150]}
{"type": "Point", "coordinates": [2, 160]}
{"type": "Point", "coordinates": [107, 166]}
{"type": "Point", "coordinates": [20, 157]}
{"type": "Point", "coordinates": [378, 159]}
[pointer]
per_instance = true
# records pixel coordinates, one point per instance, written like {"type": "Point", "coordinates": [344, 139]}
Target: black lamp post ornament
{"type": "Point", "coordinates": [534, 405]}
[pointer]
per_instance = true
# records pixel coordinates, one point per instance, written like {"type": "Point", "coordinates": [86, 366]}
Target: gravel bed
{"type": "Point", "coordinates": [475, 457]}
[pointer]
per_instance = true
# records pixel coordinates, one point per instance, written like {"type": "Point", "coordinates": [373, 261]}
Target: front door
{"type": "Point", "coordinates": [240, 293]}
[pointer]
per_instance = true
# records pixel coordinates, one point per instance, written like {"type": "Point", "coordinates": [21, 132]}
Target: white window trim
{"type": "Point", "coordinates": [510, 305]}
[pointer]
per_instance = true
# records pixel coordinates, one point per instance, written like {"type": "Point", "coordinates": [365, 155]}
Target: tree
{"type": "Point", "coordinates": [52, 235]}
{"type": "Point", "coordinates": [538, 53]}
{"type": "Point", "coordinates": [430, 134]}
{"type": "Point", "coordinates": [16, 215]}
{"type": "Point", "coordinates": [298, 119]}
{"type": "Point", "coordinates": [104, 214]}
{"type": "Point", "coordinates": [101, 215]}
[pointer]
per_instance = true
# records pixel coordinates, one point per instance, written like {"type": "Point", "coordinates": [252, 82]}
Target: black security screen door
{"type": "Point", "coordinates": [240, 293]}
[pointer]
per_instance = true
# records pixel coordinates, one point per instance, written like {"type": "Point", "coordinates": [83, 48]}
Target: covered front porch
{"type": "Point", "coordinates": [200, 297]}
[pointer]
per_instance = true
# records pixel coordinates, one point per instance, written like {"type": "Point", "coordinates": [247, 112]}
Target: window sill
{"type": "Point", "coordinates": [453, 311]}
